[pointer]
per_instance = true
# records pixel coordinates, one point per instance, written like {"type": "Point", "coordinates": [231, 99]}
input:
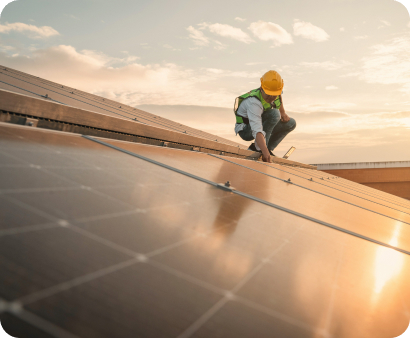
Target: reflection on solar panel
{"type": "Point", "coordinates": [107, 238]}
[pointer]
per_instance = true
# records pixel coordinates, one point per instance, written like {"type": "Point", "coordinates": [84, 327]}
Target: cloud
{"type": "Point", "coordinates": [389, 63]}
{"type": "Point", "coordinates": [227, 31]}
{"type": "Point", "coordinates": [198, 37]}
{"type": "Point", "coordinates": [239, 19]}
{"type": "Point", "coordinates": [384, 24]}
{"type": "Point", "coordinates": [331, 107]}
{"type": "Point", "coordinates": [309, 31]}
{"type": "Point", "coordinates": [253, 63]}
{"type": "Point", "coordinates": [72, 17]}
{"type": "Point", "coordinates": [170, 47]}
{"type": "Point", "coordinates": [31, 30]}
{"type": "Point", "coordinates": [331, 88]}
{"type": "Point", "coordinates": [235, 74]}
{"type": "Point", "coordinates": [127, 80]}
{"type": "Point", "coordinates": [361, 37]}
{"type": "Point", "coordinates": [326, 65]}
{"type": "Point", "coordinates": [269, 31]}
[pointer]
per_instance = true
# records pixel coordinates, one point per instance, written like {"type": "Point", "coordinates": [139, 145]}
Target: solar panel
{"type": "Point", "coordinates": [355, 187]}
{"type": "Point", "coordinates": [106, 244]}
{"type": "Point", "coordinates": [279, 192]}
{"type": "Point", "coordinates": [23, 83]}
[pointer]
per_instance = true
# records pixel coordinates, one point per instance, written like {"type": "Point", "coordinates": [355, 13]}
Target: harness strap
{"type": "Point", "coordinates": [241, 119]}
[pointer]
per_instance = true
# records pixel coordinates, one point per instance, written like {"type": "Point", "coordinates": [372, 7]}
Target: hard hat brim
{"type": "Point", "coordinates": [272, 92]}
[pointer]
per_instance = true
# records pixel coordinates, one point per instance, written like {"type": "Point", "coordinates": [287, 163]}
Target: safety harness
{"type": "Point", "coordinates": [254, 93]}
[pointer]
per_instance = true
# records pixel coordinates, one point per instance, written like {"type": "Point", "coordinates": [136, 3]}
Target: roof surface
{"type": "Point", "coordinates": [109, 238]}
{"type": "Point", "coordinates": [23, 83]}
{"type": "Point", "coordinates": [363, 165]}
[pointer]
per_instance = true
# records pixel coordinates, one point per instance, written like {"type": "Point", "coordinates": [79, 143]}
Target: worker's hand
{"type": "Point", "coordinates": [284, 117]}
{"type": "Point", "coordinates": [266, 156]}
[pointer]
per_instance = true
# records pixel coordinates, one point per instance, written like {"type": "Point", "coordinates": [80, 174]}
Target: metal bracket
{"type": "Point", "coordinates": [31, 122]}
{"type": "Point", "coordinates": [226, 186]}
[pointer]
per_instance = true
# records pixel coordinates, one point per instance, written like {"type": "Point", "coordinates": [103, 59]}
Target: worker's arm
{"type": "Point", "coordinates": [283, 116]}
{"type": "Point", "coordinates": [260, 140]}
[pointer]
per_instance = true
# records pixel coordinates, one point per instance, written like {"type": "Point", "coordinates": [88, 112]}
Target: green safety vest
{"type": "Point", "coordinates": [254, 93]}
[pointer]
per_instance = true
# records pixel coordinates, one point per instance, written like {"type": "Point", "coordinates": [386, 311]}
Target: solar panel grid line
{"type": "Point", "coordinates": [110, 106]}
{"type": "Point", "coordinates": [192, 130]}
{"type": "Point", "coordinates": [140, 116]}
{"type": "Point", "coordinates": [253, 198]}
{"type": "Point", "coordinates": [379, 193]}
{"type": "Point", "coordinates": [36, 227]}
{"type": "Point", "coordinates": [72, 99]}
{"type": "Point", "coordinates": [329, 314]}
{"type": "Point", "coordinates": [319, 182]}
{"type": "Point", "coordinates": [186, 277]}
{"type": "Point", "coordinates": [98, 274]}
{"type": "Point", "coordinates": [374, 192]}
{"type": "Point", "coordinates": [370, 192]}
{"type": "Point", "coordinates": [38, 322]}
{"type": "Point", "coordinates": [97, 238]}
{"type": "Point", "coordinates": [264, 261]}
{"type": "Point", "coordinates": [26, 90]}
{"type": "Point", "coordinates": [80, 186]}
{"type": "Point", "coordinates": [85, 187]}
{"type": "Point", "coordinates": [230, 295]}
{"type": "Point", "coordinates": [280, 316]}
{"type": "Point", "coordinates": [103, 241]}
{"type": "Point", "coordinates": [151, 161]}
{"type": "Point", "coordinates": [399, 199]}
{"type": "Point", "coordinates": [92, 189]}
{"type": "Point", "coordinates": [36, 296]}
{"type": "Point", "coordinates": [152, 115]}
{"type": "Point", "coordinates": [23, 190]}
{"type": "Point", "coordinates": [88, 119]}
{"type": "Point", "coordinates": [137, 259]}
{"type": "Point", "coordinates": [356, 188]}
{"type": "Point", "coordinates": [203, 319]}
{"type": "Point", "coordinates": [323, 223]}
{"type": "Point", "coordinates": [136, 113]}
{"type": "Point", "coordinates": [137, 254]}
{"type": "Point", "coordinates": [297, 320]}
{"type": "Point", "coordinates": [315, 191]}
{"type": "Point", "coordinates": [32, 209]}
{"type": "Point", "coordinates": [112, 215]}
{"type": "Point", "coordinates": [364, 188]}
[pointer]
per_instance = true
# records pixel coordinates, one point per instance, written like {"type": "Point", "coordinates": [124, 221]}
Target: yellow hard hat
{"type": "Point", "coordinates": [272, 83]}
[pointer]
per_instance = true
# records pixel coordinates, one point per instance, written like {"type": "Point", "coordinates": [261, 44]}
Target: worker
{"type": "Point", "coordinates": [260, 116]}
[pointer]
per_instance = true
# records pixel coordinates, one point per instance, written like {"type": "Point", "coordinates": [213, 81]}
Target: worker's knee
{"type": "Point", "coordinates": [246, 134]}
{"type": "Point", "coordinates": [292, 124]}
{"type": "Point", "coordinates": [271, 116]}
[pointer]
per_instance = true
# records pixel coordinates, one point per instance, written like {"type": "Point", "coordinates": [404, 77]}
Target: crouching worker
{"type": "Point", "coordinates": [261, 116]}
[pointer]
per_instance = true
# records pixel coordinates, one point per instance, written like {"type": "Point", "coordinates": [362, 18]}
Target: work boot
{"type": "Point", "coordinates": [252, 147]}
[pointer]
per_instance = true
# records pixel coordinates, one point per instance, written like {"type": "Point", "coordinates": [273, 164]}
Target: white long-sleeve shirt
{"type": "Point", "coordinates": [252, 109]}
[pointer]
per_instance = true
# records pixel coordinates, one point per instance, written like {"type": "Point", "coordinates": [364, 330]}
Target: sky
{"type": "Point", "coordinates": [345, 64]}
